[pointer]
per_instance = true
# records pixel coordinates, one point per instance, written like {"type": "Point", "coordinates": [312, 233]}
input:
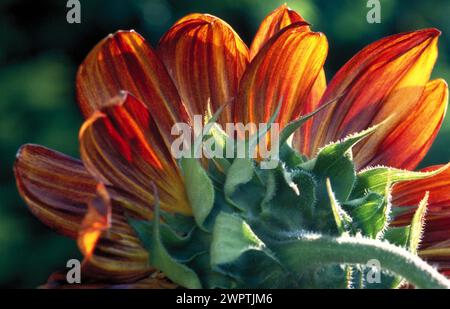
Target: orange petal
{"type": "Point", "coordinates": [96, 220]}
{"type": "Point", "coordinates": [276, 21]}
{"type": "Point", "coordinates": [436, 241]}
{"type": "Point", "coordinates": [206, 60]}
{"type": "Point", "coordinates": [386, 79]}
{"type": "Point", "coordinates": [121, 146]}
{"type": "Point", "coordinates": [272, 24]}
{"type": "Point", "coordinates": [56, 187]}
{"type": "Point", "coordinates": [410, 141]}
{"type": "Point", "coordinates": [303, 137]}
{"type": "Point", "coordinates": [124, 61]}
{"type": "Point", "coordinates": [284, 71]}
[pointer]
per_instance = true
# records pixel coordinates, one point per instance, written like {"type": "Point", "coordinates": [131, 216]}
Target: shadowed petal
{"type": "Point", "coordinates": [121, 146]}
{"type": "Point", "coordinates": [385, 80]}
{"type": "Point", "coordinates": [435, 245]}
{"type": "Point", "coordinates": [56, 187]}
{"type": "Point", "coordinates": [284, 71]}
{"type": "Point", "coordinates": [206, 60]}
{"type": "Point", "coordinates": [124, 61]}
{"type": "Point", "coordinates": [410, 141]}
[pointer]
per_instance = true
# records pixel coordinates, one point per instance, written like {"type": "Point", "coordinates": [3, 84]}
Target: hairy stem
{"type": "Point", "coordinates": [320, 250]}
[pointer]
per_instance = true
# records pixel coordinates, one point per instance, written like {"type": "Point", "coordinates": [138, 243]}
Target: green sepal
{"type": "Point", "coordinates": [240, 172]}
{"type": "Point", "coordinates": [199, 189]}
{"type": "Point", "coordinates": [150, 236]}
{"type": "Point", "coordinates": [417, 225]}
{"type": "Point", "coordinates": [294, 125]}
{"type": "Point", "coordinates": [376, 179]}
{"type": "Point", "coordinates": [236, 251]}
{"type": "Point", "coordinates": [370, 214]}
{"type": "Point", "coordinates": [341, 219]}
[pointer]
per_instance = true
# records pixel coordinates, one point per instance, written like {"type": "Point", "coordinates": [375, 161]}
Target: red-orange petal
{"type": "Point", "coordinates": [284, 71]}
{"type": "Point", "coordinates": [125, 61]}
{"type": "Point", "coordinates": [271, 25]}
{"type": "Point", "coordinates": [435, 245]}
{"type": "Point", "coordinates": [408, 143]}
{"type": "Point", "coordinates": [121, 146]}
{"type": "Point", "coordinates": [56, 187]}
{"type": "Point", "coordinates": [385, 80]}
{"type": "Point", "coordinates": [206, 60]}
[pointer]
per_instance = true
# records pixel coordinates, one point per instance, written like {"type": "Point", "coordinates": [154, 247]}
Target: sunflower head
{"type": "Point", "coordinates": [340, 193]}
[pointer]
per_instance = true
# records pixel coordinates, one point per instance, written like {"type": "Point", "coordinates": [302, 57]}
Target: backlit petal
{"type": "Point", "coordinates": [125, 61]}
{"type": "Point", "coordinates": [272, 24]}
{"type": "Point", "coordinates": [384, 80]}
{"type": "Point", "coordinates": [206, 60]}
{"type": "Point", "coordinates": [284, 71]}
{"type": "Point", "coordinates": [121, 146]}
{"type": "Point", "coordinates": [410, 141]}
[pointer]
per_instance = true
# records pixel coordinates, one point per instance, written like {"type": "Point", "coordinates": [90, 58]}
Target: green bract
{"type": "Point", "coordinates": [305, 224]}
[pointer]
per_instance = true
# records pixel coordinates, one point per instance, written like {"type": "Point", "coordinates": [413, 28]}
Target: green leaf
{"type": "Point", "coordinates": [199, 189]}
{"type": "Point", "coordinates": [417, 225]}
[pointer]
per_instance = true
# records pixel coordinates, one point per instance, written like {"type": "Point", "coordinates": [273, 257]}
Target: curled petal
{"type": "Point", "coordinates": [121, 146]}
{"type": "Point", "coordinates": [56, 187]}
{"type": "Point", "coordinates": [408, 143]}
{"type": "Point", "coordinates": [435, 245]}
{"type": "Point", "coordinates": [109, 245]}
{"type": "Point", "coordinates": [385, 80]}
{"type": "Point", "coordinates": [206, 60]}
{"type": "Point", "coordinates": [125, 61]}
{"type": "Point", "coordinates": [118, 255]}
{"type": "Point", "coordinates": [96, 220]}
{"type": "Point", "coordinates": [272, 24]}
{"type": "Point", "coordinates": [284, 71]}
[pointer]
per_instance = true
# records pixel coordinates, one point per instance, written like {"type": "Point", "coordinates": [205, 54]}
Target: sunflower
{"type": "Point", "coordinates": [343, 193]}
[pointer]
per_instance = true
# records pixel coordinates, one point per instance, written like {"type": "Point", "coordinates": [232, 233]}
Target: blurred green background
{"type": "Point", "coordinates": [40, 52]}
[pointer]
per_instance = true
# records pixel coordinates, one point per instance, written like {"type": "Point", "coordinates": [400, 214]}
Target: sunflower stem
{"type": "Point", "coordinates": [317, 250]}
